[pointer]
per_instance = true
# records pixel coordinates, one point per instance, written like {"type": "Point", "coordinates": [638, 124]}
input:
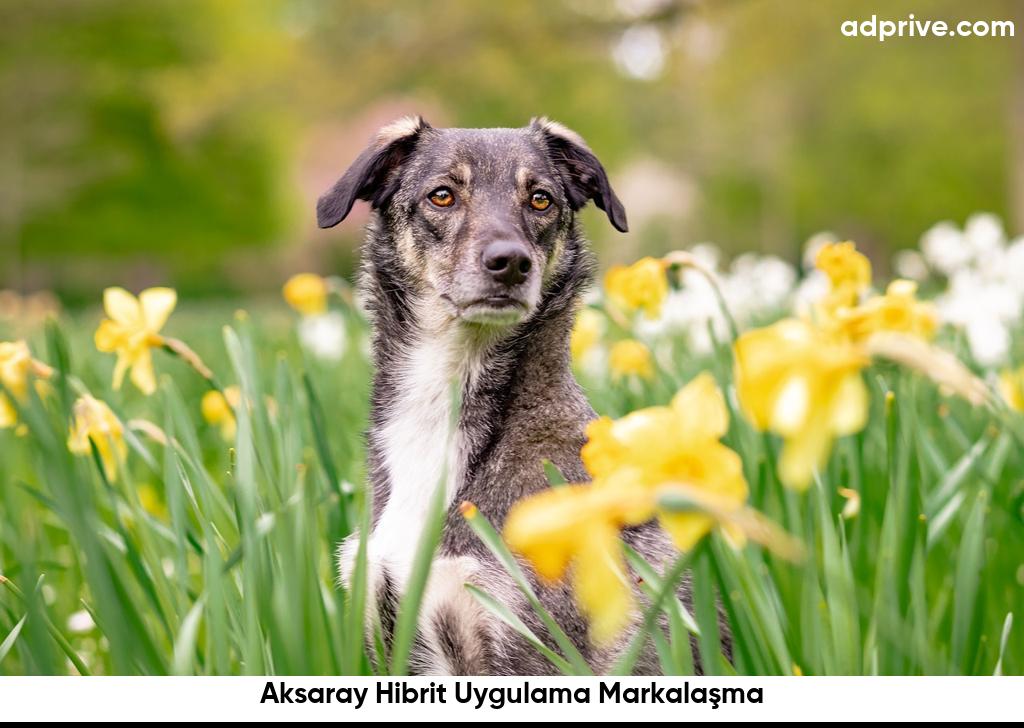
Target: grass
{"type": "Point", "coordinates": [215, 558]}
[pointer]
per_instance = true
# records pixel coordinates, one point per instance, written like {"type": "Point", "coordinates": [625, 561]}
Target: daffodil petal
{"type": "Point", "coordinates": [109, 336]}
{"type": "Point", "coordinates": [536, 528]}
{"type": "Point", "coordinates": [802, 454]}
{"type": "Point", "coordinates": [701, 409]}
{"type": "Point", "coordinates": [120, 369]}
{"type": "Point", "coordinates": [157, 305]}
{"type": "Point", "coordinates": [849, 406]}
{"type": "Point", "coordinates": [8, 415]}
{"type": "Point", "coordinates": [686, 529]}
{"type": "Point", "coordinates": [601, 584]}
{"type": "Point", "coordinates": [792, 404]}
{"type": "Point", "coordinates": [142, 375]}
{"type": "Point", "coordinates": [122, 307]}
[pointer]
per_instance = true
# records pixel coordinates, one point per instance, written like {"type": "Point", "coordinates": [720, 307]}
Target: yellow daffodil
{"type": "Point", "coordinates": [630, 358]}
{"type": "Point", "coordinates": [132, 330]}
{"type": "Point", "coordinates": [898, 311]}
{"type": "Point", "coordinates": [306, 293]}
{"type": "Point", "coordinates": [579, 525]}
{"type": "Point", "coordinates": [1011, 386]}
{"type": "Point", "coordinates": [664, 462]}
{"type": "Point", "coordinates": [848, 270]}
{"type": "Point", "coordinates": [586, 333]}
{"type": "Point", "coordinates": [93, 420]}
{"type": "Point", "coordinates": [642, 285]}
{"type": "Point", "coordinates": [636, 461]}
{"type": "Point", "coordinates": [679, 444]}
{"type": "Point", "coordinates": [16, 364]}
{"type": "Point", "coordinates": [219, 410]}
{"type": "Point", "coordinates": [795, 381]}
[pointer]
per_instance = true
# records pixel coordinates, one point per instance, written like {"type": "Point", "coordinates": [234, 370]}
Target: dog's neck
{"type": "Point", "coordinates": [416, 438]}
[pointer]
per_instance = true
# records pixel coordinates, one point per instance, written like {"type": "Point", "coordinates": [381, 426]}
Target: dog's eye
{"type": "Point", "coordinates": [539, 200]}
{"type": "Point", "coordinates": [442, 197]}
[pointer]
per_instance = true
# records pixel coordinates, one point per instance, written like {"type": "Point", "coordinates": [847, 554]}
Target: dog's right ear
{"type": "Point", "coordinates": [585, 176]}
{"type": "Point", "coordinates": [372, 176]}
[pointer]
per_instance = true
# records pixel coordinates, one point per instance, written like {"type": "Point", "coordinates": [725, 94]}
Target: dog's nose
{"type": "Point", "coordinates": [508, 262]}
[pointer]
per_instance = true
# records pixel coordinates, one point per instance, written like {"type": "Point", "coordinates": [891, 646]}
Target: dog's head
{"type": "Point", "coordinates": [479, 218]}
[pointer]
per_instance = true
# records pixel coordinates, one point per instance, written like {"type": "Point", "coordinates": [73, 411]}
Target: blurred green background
{"type": "Point", "coordinates": [184, 142]}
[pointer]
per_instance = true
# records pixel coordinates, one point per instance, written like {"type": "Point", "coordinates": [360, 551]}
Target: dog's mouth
{"type": "Point", "coordinates": [493, 310]}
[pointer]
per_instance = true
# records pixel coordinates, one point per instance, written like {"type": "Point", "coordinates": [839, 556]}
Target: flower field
{"type": "Point", "coordinates": [838, 458]}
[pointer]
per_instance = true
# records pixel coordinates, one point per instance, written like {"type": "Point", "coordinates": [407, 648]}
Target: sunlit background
{"type": "Point", "coordinates": [184, 142]}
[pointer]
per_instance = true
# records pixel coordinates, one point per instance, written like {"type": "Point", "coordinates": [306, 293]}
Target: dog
{"type": "Point", "coordinates": [472, 271]}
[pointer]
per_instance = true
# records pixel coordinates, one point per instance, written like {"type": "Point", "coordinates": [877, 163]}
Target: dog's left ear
{"type": "Point", "coordinates": [372, 176]}
{"type": "Point", "coordinates": [585, 178]}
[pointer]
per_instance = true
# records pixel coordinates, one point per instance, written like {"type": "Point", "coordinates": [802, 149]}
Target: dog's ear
{"type": "Point", "coordinates": [585, 178]}
{"type": "Point", "coordinates": [372, 176]}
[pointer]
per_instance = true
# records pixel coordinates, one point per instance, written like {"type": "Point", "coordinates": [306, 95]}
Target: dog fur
{"type": "Point", "coordinates": [441, 317]}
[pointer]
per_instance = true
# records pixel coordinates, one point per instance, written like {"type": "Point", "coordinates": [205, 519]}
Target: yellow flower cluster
{"type": "Point", "coordinates": [131, 330]}
{"type": "Point", "coordinates": [848, 314]}
{"type": "Point", "coordinates": [848, 271]}
{"type": "Point", "coordinates": [801, 379]}
{"type": "Point", "coordinates": [898, 311]}
{"type": "Point", "coordinates": [642, 285]}
{"type": "Point", "coordinates": [634, 461]}
{"type": "Point", "coordinates": [795, 380]}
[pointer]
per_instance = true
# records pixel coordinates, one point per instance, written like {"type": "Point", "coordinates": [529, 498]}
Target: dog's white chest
{"type": "Point", "coordinates": [421, 449]}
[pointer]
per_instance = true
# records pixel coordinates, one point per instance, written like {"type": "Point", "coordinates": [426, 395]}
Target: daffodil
{"type": "Point", "coordinates": [643, 465]}
{"type": "Point", "coordinates": [642, 285]}
{"type": "Point", "coordinates": [848, 270]}
{"type": "Point", "coordinates": [674, 446]}
{"type": "Point", "coordinates": [630, 358]}
{"type": "Point", "coordinates": [16, 364]}
{"type": "Point", "coordinates": [132, 330]}
{"type": "Point", "coordinates": [1011, 386]}
{"type": "Point", "coordinates": [219, 410]}
{"type": "Point", "coordinates": [579, 525]}
{"type": "Point", "coordinates": [92, 420]}
{"type": "Point", "coordinates": [306, 293]}
{"type": "Point", "coordinates": [586, 333]}
{"type": "Point", "coordinates": [14, 369]}
{"type": "Point", "coordinates": [794, 380]}
{"type": "Point", "coordinates": [898, 311]}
